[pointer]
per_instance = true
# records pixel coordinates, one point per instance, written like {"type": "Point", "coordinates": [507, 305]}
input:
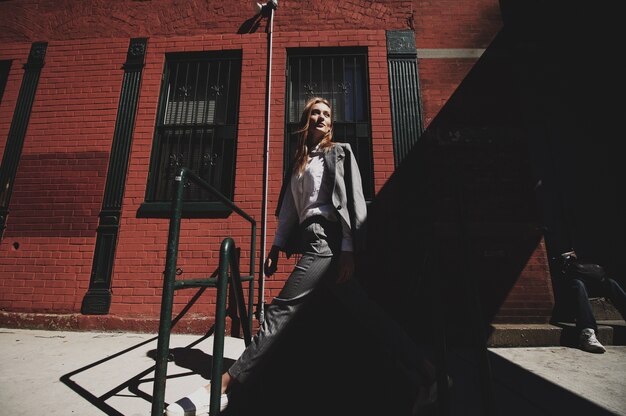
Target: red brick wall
{"type": "Point", "coordinates": [529, 301]}
{"type": "Point", "coordinates": [455, 24]}
{"type": "Point", "coordinates": [438, 80]}
{"type": "Point", "coordinates": [61, 176]}
{"type": "Point", "coordinates": [440, 24]}
{"type": "Point", "coordinates": [48, 244]}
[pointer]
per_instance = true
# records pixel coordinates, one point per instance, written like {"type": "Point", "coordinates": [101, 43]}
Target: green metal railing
{"type": "Point", "coordinates": [228, 262]}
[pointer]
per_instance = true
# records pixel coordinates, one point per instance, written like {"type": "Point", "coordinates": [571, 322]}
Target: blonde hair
{"type": "Point", "coordinates": [302, 148]}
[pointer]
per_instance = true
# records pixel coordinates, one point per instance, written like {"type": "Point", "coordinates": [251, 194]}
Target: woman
{"type": "Point", "coordinates": [321, 215]}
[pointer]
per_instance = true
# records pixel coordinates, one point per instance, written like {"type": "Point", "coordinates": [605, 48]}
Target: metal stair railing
{"type": "Point", "coordinates": [228, 261]}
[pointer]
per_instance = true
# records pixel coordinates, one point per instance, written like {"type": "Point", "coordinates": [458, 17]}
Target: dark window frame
{"type": "Point", "coordinates": [360, 126]}
{"type": "Point", "coordinates": [198, 203]}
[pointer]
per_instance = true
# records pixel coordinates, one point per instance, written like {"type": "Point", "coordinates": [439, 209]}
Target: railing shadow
{"type": "Point", "coordinates": [184, 357]}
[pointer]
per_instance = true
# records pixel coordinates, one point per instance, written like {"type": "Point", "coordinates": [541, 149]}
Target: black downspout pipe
{"type": "Point", "coordinates": [267, 9]}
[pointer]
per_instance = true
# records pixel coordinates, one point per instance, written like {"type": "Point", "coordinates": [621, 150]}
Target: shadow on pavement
{"type": "Point", "coordinates": [100, 401]}
{"type": "Point", "coordinates": [324, 365]}
{"type": "Point", "coordinates": [185, 357]}
{"type": "Point", "coordinates": [521, 392]}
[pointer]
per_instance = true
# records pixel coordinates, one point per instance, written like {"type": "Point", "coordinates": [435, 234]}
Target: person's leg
{"type": "Point", "coordinates": [306, 276]}
{"type": "Point", "coordinates": [582, 307]}
{"type": "Point", "coordinates": [585, 321]}
{"type": "Point", "coordinates": [398, 348]}
{"type": "Point", "coordinates": [302, 281]}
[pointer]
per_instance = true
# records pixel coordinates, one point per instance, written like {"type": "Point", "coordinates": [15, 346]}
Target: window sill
{"type": "Point", "coordinates": [190, 210]}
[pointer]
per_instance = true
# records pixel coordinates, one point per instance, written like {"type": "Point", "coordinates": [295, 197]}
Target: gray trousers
{"type": "Point", "coordinates": [321, 241]}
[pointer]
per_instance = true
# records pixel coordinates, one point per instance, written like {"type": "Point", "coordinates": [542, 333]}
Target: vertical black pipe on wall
{"type": "Point", "coordinates": [268, 10]}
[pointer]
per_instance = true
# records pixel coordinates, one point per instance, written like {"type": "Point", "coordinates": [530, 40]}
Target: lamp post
{"type": "Point", "coordinates": [266, 9]}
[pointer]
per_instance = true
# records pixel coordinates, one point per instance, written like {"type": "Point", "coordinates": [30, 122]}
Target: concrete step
{"type": "Point", "coordinates": [610, 332]}
{"type": "Point", "coordinates": [604, 310]}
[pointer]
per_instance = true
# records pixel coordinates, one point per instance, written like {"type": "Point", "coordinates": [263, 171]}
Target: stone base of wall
{"type": "Point", "coordinates": [79, 322]}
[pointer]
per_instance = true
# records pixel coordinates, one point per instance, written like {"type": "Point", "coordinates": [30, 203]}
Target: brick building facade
{"type": "Point", "coordinates": [64, 153]}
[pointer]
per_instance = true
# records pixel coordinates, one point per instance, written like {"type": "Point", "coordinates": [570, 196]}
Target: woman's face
{"type": "Point", "coordinates": [319, 121]}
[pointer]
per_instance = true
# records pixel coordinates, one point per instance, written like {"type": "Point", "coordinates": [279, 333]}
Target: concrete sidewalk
{"type": "Point", "coordinates": [107, 373]}
{"type": "Point", "coordinates": [94, 373]}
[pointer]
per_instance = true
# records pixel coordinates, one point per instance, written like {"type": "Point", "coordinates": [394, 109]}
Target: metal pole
{"type": "Point", "coordinates": [226, 251]}
{"type": "Point", "coordinates": [165, 322]}
{"type": "Point", "coordinates": [261, 307]}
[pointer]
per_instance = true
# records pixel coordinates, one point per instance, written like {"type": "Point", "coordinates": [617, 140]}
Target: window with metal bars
{"type": "Point", "coordinates": [5, 66]}
{"type": "Point", "coordinates": [196, 124]}
{"type": "Point", "coordinates": [340, 75]}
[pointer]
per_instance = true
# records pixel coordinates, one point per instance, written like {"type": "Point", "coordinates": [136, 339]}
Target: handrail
{"type": "Point", "coordinates": [170, 284]}
{"type": "Point", "coordinates": [186, 173]}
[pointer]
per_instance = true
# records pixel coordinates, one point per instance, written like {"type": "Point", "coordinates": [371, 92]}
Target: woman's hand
{"type": "Point", "coordinates": [346, 266]}
{"type": "Point", "coordinates": [271, 262]}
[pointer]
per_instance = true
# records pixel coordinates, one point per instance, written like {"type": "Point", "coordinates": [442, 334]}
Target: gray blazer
{"type": "Point", "coordinates": [343, 173]}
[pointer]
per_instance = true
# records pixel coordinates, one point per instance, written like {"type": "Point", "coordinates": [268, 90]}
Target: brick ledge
{"type": "Point", "coordinates": [79, 322]}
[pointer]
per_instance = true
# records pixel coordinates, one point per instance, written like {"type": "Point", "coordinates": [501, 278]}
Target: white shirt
{"type": "Point", "coordinates": [307, 196]}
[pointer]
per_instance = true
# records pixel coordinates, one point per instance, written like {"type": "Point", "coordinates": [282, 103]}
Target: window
{"type": "Point", "coordinates": [196, 125]}
{"type": "Point", "coordinates": [340, 76]}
